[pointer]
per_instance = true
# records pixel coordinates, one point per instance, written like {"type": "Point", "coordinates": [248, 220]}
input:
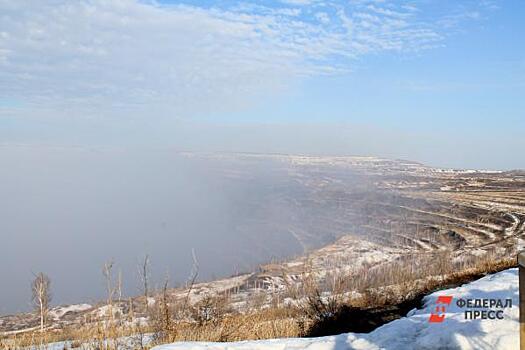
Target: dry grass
{"type": "Point", "coordinates": [321, 306]}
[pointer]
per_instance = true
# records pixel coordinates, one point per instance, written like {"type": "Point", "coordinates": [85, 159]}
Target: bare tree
{"type": "Point", "coordinates": [41, 288]}
{"type": "Point", "coordinates": [166, 317]}
{"type": "Point", "coordinates": [119, 286]}
{"type": "Point", "coordinates": [191, 281]}
{"type": "Point", "coordinates": [161, 316]}
{"type": "Point", "coordinates": [144, 278]}
{"type": "Point", "coordinates": [106, 271]}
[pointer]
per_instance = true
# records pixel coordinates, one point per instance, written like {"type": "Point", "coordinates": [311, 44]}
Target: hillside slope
{"type": "Point", "coordinates": [415, 331]}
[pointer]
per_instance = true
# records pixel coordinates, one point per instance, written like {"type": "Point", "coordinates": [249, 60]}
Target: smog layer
{"type": "Point", "coordinates": [274, 218]}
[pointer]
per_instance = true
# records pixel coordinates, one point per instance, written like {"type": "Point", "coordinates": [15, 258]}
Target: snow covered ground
{"type": "Point", "coordinates": [415, 331]}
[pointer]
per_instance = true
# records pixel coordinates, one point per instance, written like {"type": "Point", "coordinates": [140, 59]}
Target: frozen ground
{"type": "Point", "coordinates": [414, 331]}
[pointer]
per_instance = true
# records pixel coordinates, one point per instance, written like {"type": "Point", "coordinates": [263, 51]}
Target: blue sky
{"type": "Point", "coordinates": [440, 82]}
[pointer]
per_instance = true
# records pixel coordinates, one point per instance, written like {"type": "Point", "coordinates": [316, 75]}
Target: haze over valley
{"type": "Point", "coordinates": [235, 211]}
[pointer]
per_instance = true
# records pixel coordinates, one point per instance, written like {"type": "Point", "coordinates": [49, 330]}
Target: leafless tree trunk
{"type": "Point", "coordinates": [144, 277]}
{"type": "Point", "coordinates": [119, 286]}
{"type": "Point", "coordinates": [106, 271]}
{"type": "Point", "coordinates": [191, 281]}
{"type": "Point", "coordinates": [41, 288]}
{"type": "Point", "coordinates": [165, 312]}
{"type": "Point", "coordinates": [110, 330]}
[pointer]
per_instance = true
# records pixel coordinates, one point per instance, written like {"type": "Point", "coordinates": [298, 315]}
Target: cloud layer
{"type": "Point", "coordinates": [106, 58]}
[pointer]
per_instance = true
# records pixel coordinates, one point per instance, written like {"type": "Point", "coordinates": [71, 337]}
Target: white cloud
{"type": "Point", "coordinates": [298, 2]}
{"type": "Point", "coordinates": [111, 57]}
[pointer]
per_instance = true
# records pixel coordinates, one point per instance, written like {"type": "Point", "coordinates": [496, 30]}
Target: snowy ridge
{"type": "Point", "coordinates": [60, 311]}
{"type": "Point", "coordinates": [414, 331]}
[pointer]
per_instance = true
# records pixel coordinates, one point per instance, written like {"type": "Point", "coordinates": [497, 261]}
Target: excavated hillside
{"type": "Point", "coordinates": [351, 216]}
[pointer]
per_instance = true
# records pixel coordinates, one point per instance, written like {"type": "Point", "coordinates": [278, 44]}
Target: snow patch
{"type": "Point", "coordinates": [414, 331]}
{"type": "Point", "coordinates": [60, 311]}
